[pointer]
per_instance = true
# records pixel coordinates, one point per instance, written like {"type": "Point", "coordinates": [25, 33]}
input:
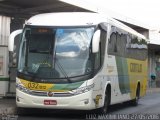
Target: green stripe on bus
{"type": "Point", "coordinates": [70, 86]}
{"type": "Point", "coordinates": [123, 78]}
{"type": "Point", "coordinates": [4, 79]}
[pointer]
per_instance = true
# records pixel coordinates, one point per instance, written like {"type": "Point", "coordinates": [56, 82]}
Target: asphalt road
{"type": "Point", "coordinates": [148, 108]}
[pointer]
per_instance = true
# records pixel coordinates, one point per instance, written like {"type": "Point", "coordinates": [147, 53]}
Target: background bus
{"type": "Point", "coordinates": [79, 61]}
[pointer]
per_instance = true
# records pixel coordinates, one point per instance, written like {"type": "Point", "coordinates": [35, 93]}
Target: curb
{"type": "Point", "coordinates": [153, 90]}
{"type": "Point", "coordinates": [7, 106]}
{"type": "Point", "coordinates": [7, 111]}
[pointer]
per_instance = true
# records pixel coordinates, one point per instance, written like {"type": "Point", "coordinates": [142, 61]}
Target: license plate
{"type": "Point", "coordinates": [50, 102]}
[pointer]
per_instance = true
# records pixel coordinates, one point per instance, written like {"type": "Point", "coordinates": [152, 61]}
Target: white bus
{"type": "Point", "coordinates": [79, 61]}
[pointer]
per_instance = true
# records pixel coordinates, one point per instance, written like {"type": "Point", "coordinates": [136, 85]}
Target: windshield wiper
{"type": "Point", "coordinates": [62, 70]}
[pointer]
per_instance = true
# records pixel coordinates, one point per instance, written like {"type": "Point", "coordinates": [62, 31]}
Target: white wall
{"type": "Point", "coordinates": [4, 53]}
{"type": "Point", "coordinates": [154, 36]}
{"type": "Point", "coordinates": [4, 30]}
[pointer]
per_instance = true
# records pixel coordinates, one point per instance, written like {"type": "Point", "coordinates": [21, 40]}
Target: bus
{"type": "Point", "coordinates": [79, 61]}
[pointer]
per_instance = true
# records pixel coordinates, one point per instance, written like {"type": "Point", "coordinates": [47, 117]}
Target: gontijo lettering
{"type": "Point", "coordinates": [135, 67]}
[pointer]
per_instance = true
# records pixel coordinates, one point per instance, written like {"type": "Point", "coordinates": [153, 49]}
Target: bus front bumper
{"type": "Point", "coordinates": [82, 101]}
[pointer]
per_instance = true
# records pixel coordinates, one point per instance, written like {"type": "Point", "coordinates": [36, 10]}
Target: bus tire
{"type": "Point", "coordinates": [104, 109]}
{"type": "Point", "coordinates": [136, 100]}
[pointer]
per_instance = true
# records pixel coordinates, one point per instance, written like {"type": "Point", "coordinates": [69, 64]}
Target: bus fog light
{"type": "Point", "coordinates": [86, 101]}
{"type": "Point", "coordinates": [18, 100]}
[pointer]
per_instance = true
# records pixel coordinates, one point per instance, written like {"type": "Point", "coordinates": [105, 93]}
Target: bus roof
{"type": "Point", "coordinates": [77, 19]}
{"type": "Point", "coordinates": [66, 19]}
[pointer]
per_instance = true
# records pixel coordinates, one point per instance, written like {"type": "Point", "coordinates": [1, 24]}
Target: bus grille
{"type": "Point", "coordinates": [41, 93]}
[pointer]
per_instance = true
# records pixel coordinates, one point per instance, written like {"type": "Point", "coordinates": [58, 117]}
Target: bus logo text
{"type": "Point", "coordinates": [135, 67]}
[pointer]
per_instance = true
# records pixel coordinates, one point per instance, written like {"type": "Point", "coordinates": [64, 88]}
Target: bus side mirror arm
{"type": "Point", "coordinates": [95, 41]}
{"type": "Point", "coordinates": [12, 38]}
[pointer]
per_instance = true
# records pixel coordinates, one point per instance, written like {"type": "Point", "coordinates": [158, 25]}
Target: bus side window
{"type": "Point", "coordinates": [112, 45]}
{"type": "Point", "coordinates": [100, 55]}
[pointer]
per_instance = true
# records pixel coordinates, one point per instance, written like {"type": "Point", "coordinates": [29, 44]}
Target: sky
{"type": "Point", "coordinates": [146, 12]}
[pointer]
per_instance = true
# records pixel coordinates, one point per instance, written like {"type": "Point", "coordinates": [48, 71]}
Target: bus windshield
{"type": "Point", "coordinates": [56, 52]}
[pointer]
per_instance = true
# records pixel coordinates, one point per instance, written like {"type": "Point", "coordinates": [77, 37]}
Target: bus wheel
{"type": "Point", "coordinates": [136, 100]}
{"type": "Point", "coordinates": [104, 109]}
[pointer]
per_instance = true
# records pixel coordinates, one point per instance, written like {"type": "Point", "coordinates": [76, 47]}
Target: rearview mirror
{"type": "Point", "coordinates": [95, 41]}
{"type": "Point", "coordinates": [12, 38]}
{"type": "Point", "coordinates": [153, 77]}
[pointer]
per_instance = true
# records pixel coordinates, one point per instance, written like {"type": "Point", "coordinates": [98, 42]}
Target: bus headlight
{"type": "Point", "coordinates": [22, 88]}
{"type": "Point", "coordinates": [83, 89]}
